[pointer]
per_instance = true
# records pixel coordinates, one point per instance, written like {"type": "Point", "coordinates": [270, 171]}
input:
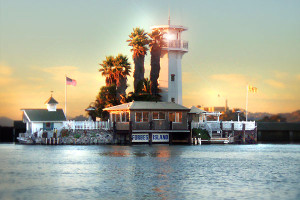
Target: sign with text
{"type": "Point", "coordinates": [160, 137]}
{"type": "Point", "coordinates": [141, 137]}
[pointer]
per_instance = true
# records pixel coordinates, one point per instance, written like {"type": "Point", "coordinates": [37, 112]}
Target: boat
{"type": "Point", "coordinates": [25, 140]}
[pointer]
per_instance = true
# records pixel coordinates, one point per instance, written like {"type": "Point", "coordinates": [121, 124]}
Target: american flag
{"type": "Point", "coordinates": [70, 81]}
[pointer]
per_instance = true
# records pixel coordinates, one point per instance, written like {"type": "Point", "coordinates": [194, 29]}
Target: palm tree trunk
{"type": "Point", "coordinates": [155, 69]}
{"type": "Point", "coordinates": [121, 87]}
{"type": "Point", "coordinates": [139, 71]}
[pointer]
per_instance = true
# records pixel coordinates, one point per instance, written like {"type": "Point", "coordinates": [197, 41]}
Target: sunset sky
{"type": "Point", "coordinates": [231, 43]}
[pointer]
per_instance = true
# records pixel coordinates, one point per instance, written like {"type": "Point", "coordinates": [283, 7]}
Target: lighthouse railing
{"type": "Point", "coordinates": [179, 44]}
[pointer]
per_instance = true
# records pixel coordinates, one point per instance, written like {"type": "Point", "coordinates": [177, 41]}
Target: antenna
{"type": "Point", "coordinates": [51, 93]}
{"type": "Point", "coordinates": [169, 20]}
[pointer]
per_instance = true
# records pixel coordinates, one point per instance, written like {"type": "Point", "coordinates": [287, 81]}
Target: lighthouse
{"type": "Point", "coordinates": [170, 76]}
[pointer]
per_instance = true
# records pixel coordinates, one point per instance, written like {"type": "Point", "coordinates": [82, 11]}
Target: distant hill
{"type": "Point", "coordinates": [79, 118]}
{"type": "Point", "coordinates": [4, 121]}
{"type": "Point", "coordinates": [290, 117]}
{"type": "Point", "coordinates": [258, 116]}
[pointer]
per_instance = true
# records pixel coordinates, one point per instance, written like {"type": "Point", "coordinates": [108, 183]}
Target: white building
{"type": "Point", "coordinates": [170, 76]}
{"type": "Point", "coordinates": [43, 119]}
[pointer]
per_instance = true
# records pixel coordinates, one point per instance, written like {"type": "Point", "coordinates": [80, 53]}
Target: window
{"type": "Point", "coordinates": [178, 117]}
{"type": "Point", "coordinates": [175, 116]}
{"type": "Point", "coordinates": [155, 115]}
{"type": "Point", "coordinates": [48, 125]}
{"type": "Point", "coordinates": [118, 117]}
{"type": "Point", "coordinates": [172, 117]}
{"type": "Point", "coordinates": [127, 117]}
{"type": "Point", "coordinates": [123, 114]}
{"type": "Point", "coordinates": [172, 77]}
{"type": "Point", "coordinates": [173, 100]}
{"type": "Point", "coordinates": [159, 115]}
{"type": "Point", "coordinates": [142, 116]}
{"type": "Point", "coordinates": [138, 117]}
{"type": "Point", "coordinates": [145, 116]}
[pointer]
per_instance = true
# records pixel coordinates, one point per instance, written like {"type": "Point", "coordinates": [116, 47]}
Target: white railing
{"type": "Point", "coordinates": [214, 125]}
{"type": "Point", "coordinates": [181, 44]}
{"type": "Point", "coordinates": [238, 126]}
{"type": "Point", "coordinates": [86, 125]}
{"type": "Point", "coordinates": [226, 125]}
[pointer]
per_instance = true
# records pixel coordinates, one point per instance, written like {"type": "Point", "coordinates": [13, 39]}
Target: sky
{"type": "Point", "coordinates": [232, 43]}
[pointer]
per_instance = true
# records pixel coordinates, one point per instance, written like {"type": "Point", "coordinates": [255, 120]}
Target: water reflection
{"type": "Point", "coordinates": [150, 172]}
{"type": "Point", "coordinates": [117, 151]}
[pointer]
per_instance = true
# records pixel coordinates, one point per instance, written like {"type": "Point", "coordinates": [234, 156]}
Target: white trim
{"type": "Point", "coordinates": [27, 115]}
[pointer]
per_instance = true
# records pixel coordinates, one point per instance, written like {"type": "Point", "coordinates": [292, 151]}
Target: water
{"type": "Point", "coordinates": [150, 172]}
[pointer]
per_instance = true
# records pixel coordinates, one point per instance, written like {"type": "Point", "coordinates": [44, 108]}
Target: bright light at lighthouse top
{"type": "Point", "coordinates": [172, 36]}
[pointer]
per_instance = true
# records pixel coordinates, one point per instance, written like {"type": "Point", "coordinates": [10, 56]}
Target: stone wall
{"type": "Point", "coordinates": [85, 137]}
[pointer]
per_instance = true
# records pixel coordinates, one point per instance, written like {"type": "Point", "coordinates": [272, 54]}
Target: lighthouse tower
{"type": "Point", "coordinates": [170, 78]}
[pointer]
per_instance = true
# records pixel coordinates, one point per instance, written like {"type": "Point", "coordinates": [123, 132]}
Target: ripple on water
{"type": "Point", "coordinates": [150, 172]}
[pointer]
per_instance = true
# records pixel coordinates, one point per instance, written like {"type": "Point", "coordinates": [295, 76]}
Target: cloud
{"type": "Point", "coordinates": [275, 84]}
{"type": "Point", "coordinates": [5, 75]}
{"type": "Point", "coordinates": [6, 81]}
{"type": "Point", "coordinates": [60, 69]}
{"type": "Point", "coordinates": [280, 74]}
{"type": "Point", "coordinates": [230, 78]}
{"type": "Point", "coordinates": [5, 70]}
{"type": "Point", "coordinates": [79, 74]}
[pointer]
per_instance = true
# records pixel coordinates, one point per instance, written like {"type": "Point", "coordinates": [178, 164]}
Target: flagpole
{"type": "Point", "coordinates": [66, 95]}
{"type": "Point", "coordinates": [247, 102]}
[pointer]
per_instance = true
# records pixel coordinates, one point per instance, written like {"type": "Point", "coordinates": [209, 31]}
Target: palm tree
{"type": "Point", "coordinates": [156, 43]}
{"type": "Point", "coordinates": [139, 41]}
{"type": "Point", "coordinates": [107, 70]}
{"type": "Point", "coordinates": [121, 70]}
{"type": "Point", "coordinates": [144, 94]}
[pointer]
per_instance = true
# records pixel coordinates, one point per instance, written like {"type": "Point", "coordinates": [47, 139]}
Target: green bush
{"type": "Point", "coordinates": [45, 134]}
{"type": "Point", "coordinates": [64, 133]}
{"type": "Point", "coordinates": [201, 133]}
{"type": "Point", "coordinates": [77, 135]}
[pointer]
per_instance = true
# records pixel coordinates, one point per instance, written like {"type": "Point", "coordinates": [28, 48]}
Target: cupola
{"type": "Point", "coordinates": [51, 104]}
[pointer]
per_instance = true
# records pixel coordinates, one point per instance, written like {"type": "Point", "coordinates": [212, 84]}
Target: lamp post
{"type": "Point", "coordinates": [238, 112]}
{"type": "Point", "coordinates": [204, 116]}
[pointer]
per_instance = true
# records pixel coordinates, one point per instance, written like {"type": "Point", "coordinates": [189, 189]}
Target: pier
{"type": "Point", "coordinates": [281, 132]}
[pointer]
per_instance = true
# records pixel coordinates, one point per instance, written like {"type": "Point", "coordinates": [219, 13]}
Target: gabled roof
{"type": "Point", "coordinates": [51, 100]}
{"type": "Point", "coordinates": [196, 110]}
{"type": "Point", "coordinates": [43, 115]}
{"type": "Point", "coordinates": [148, 105]}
